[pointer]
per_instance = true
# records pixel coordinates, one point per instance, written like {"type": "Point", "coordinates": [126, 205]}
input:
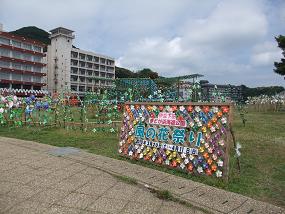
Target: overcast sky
{"type": "Point", "coordinates": [228, 41]}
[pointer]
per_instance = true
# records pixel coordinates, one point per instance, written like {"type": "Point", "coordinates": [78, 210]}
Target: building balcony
{"type": "Point", "coordinates": [10, 47]}
{"type": "Point", "coordinates": [11, 59]}
{"type": "Point", "coordinates": [21, 82]}
{"type": "Point", "coordinates": [22, 71]}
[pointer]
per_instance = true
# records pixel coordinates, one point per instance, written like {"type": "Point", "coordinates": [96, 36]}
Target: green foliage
{"type": "Point", "coordinates": [126, 179]}
{"type": "Point", "coordinates": [144, 73]}
{"type": "Point", "coordinates": [280, 66]}
{"type": "Point", "coordinates": [253, 92]}
{"type": "Point", "coordinates": [147, 73]}
{"type": "Point", "coordinates": [33, 32]}
{"type": "Point", "coordinates": [124, 73]}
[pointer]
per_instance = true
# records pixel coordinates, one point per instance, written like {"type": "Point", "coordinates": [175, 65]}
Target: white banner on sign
{"type": "Point", "coordinates": [171, 147]}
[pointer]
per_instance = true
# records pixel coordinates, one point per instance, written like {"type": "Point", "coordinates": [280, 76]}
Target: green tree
{"type": "Point", "coordinates": [124, 73]}
{"type": "Point", "coordinates": [147, 73]}
{"type": "Point", "coordinates": [280, 66]}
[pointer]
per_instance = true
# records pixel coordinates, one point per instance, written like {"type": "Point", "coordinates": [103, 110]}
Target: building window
{"type": "Point", "coordinates": [82, 56]}
{"type": "Point", "coordinates": [5, 75]}
{"type": "Point", "coordinates": [37, 69]}
{"type": "Point", "coordinates": [82, 64]}
{"type": "Point", "coordinates": [81, 88]}
{"type": "Point", "coordinates": [82, 71]}
{"type": "Point", "coordinates": [4, 52]}
{"type": "Point", "coordinates": [16, 43]}
{"type": "Point", "coordinates": [103, 61]}
{"type": "Point", "coordinates": [4, 41]}
{"type": "Point", "coordinates": [16, 76]}
{"type": "Point", "coordinates": [73, 78]}
{"type": "Point", "coordinates": [74, 70]}
{"type": "Point", "coordinates": [37, 79]}
{"type": "Point", "coordinates": [74, 54]}
{"type": "Point", "coordinates": [82, 79]}
{"type": "Point", "coordinates": [16, 54]}
{"type": "Point", "coordinates": [26, 56]}
{"type": "Point", "coordinates": [16, 65]}
{"type": "Point", "coordinates": [102, 68]}
{"type": "Point", "coordinates": [90, 73]}
{"type": "Point", "coordinates": [89, 57]}
{"type": "Point", "coordinates": [4, 64]}
{"type": "Point", "coordinates": [27, 46]}
{"type": "Point", "coordinates": [73, 87]}
{"type": "Point", "coordinates": [27, 78]}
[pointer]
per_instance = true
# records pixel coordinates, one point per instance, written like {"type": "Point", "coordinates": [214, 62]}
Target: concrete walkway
{"type": "Point", "coordinates": [38, 178]}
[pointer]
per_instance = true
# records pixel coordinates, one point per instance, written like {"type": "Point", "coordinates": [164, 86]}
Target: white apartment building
{"type": "Point", "coordinates": [74, 70]}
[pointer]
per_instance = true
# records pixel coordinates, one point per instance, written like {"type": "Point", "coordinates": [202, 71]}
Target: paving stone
{"type": "Point", "coordinates": [68, 185]}
{"type": "Point", "coordinates": [56, 163]}
{"type": "Point", "coordinates": [145, 197]}
{"type": "Point", "coordinates": [145, 175]}
{"type": "Point", "coordinates": [107, 205]}
{"type": "Point", "coordinates": [257, 207]}
{"type": "Point", "coordinates": [23, 178]}
{"type": "Point", "coordinates": [49, 196]}
{"type": "Point", "coordinates": [6, 187]}
{"type": "Point", "coordinates": [77, 200]}
{"type": "Point", "coordinates": [79, 177]}
{"type": "Point", "coordinates": [22, 191]}
{"type": "Point", "coordinates": [176, 184]}
{"type": "Point", "coordinates": [28, 207]}
{"type": "Point", "coordinates": [98, 186]}
{"type": "Point", "coordinates": [214, 198]}
{"type": "Point", "coordinates": [40, 171]}
{"type": "Point", "coordinates": [121, 191]}
{"type": "Point", "coordinates": [174, 208]}
{"type": "Point", "coordinates": [92, 171]}
{"type": "Point", "coordinates": [56, 209]}
{"type": "Point", "coordinates": [45, 181]}
{"type": "Point", "coordinates": [134, 207]}
{"type": "Point", "coordinates": [8, 202]}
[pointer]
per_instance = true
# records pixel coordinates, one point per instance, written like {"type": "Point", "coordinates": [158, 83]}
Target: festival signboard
{"type": "Point", "coordinates": [193, 137]}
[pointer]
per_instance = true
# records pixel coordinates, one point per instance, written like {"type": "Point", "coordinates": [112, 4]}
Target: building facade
{"type": "Point", "coordinates": [74, 70]}
{"type": "Point", "coordinates": [22, 66]}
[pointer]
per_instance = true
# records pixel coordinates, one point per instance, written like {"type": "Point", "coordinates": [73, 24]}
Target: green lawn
{"type": "Point", "coordinates": [262, 156]}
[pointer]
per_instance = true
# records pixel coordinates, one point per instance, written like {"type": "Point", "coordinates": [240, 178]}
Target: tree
{"type": "Point", "coordinates": [124, 73]}
{"type": "Point", "coordinates": [147, 73]}
{"type": "Point", "coordinates": [280, 66]}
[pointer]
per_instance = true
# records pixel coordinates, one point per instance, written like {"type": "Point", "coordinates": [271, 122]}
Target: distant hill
{"type": "Point", "coordinates": [270, 90]}
{"type": "Point", "coordinates": [33, 32]}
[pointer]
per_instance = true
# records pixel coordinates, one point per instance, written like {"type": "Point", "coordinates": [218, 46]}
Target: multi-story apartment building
{"type": "Point", "coordinates": [74, 70]}
{"type": "Point", "coordinates": [22, 69]}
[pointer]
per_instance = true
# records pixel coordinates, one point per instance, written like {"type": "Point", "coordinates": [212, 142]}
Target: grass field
{"type": "Point", "coordinates": [262, 155]}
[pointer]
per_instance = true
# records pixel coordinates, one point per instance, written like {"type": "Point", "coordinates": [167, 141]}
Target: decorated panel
{"type": "Point", "coordinates": [192, 137]}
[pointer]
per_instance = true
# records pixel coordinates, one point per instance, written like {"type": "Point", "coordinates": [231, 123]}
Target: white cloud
{"type": "Point", "coordinates": [265, 54]}
{"type": "Point", "coordinates": [226, 40]}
